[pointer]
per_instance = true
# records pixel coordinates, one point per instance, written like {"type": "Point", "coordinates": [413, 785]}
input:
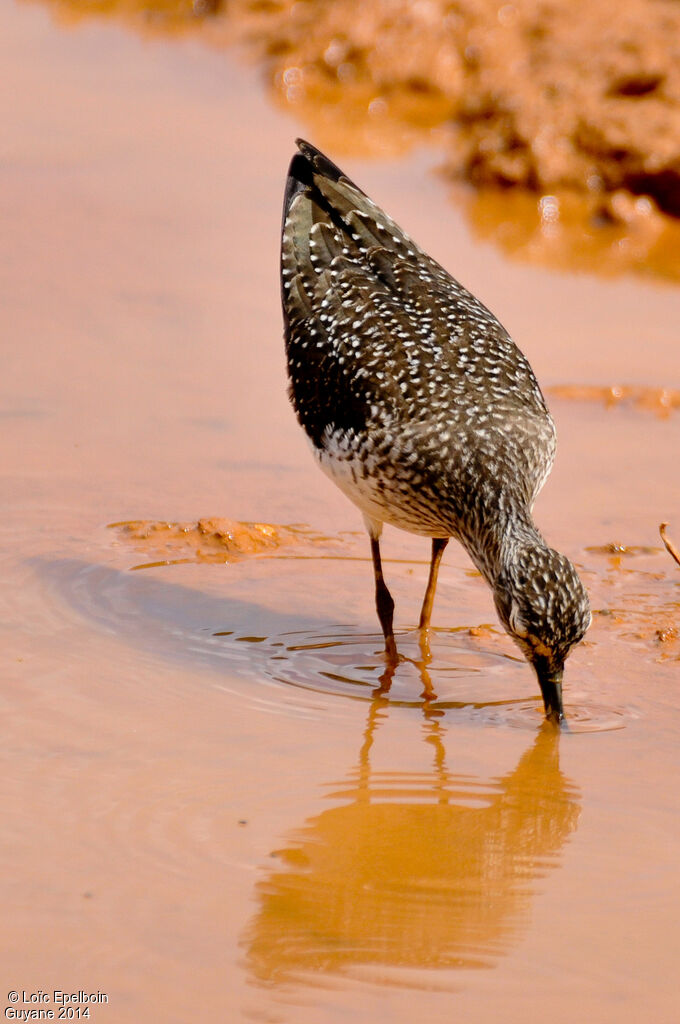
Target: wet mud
{"type": "Point", "coordinates": [563, 117]}
{"type": "Point", "coordinates": [214, 539]}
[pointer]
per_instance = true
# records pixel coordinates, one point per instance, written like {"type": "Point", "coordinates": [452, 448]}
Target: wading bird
{"type": "Point", "coordinates": [423, 411]}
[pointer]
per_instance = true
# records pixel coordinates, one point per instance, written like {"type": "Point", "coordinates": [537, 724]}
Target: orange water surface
{"type": "Point", "coordinates": [214, 805]}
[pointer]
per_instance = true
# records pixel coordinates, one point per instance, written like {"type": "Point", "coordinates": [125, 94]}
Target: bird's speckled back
{"type": "Point", "coordinates": [415, 398]}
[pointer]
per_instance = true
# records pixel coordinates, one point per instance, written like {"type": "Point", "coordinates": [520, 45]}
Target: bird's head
{"type": "Point", "coordinates": [544, 607]}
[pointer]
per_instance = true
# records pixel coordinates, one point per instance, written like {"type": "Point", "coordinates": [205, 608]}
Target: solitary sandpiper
{"type": "Point", "coordinates": [421, 408]}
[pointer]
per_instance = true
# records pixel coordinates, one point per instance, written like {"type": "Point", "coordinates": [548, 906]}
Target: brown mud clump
{"type": "Point", "coordinates": [210, 540]}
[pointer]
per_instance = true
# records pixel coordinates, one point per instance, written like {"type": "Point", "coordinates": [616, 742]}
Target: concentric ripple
{"type": "Point", "coordinates": [469, 671]}
{"type": "Point", "coordinates": [461, 672]}
{"type": "Point", "coordinates": [578, 717]}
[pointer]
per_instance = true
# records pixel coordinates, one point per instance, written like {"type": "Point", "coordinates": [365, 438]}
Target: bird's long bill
{"type": "Point", "coordinates": [550, 681]}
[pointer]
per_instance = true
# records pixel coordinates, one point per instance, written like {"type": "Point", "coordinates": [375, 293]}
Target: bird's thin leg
{"type": "Point", "coordinates": [383, 603]}
{"type": "Point", "coordinates": [438, 545]}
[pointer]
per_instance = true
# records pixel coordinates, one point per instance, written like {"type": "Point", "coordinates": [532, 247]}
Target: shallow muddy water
{"type": "Point", "coordinates": [215, 805]}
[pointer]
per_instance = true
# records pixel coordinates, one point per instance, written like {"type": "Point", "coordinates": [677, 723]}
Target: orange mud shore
{"type": "Point", "coordinates": [577, 104]}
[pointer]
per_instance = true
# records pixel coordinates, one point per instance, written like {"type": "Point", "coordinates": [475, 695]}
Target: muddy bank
{"type": "Point", "coordinates": [542, 95]}
{"type": "Point", "coordinates": [574, 101]}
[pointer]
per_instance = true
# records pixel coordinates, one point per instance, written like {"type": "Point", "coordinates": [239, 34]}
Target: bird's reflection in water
{"type": "Point", "coordinates": [412, 870]}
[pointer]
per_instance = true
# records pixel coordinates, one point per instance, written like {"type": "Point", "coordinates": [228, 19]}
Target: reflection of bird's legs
{"type": "Point", "coordinates": [377, 712]}
{"type": "Point", "coordinates": [434, 734]}
{"type": "Point", "coordinates": [385, 681]}
{"type": "Point", "coordinates": [438, 546]}
{"type": "Point", "coordinates": [428, 693]}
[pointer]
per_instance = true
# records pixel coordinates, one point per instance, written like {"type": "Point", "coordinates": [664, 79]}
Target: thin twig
{"type": "Point", "coordinates": [670, 546]}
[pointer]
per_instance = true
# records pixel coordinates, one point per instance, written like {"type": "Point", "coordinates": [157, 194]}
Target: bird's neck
{"type": "Point", "coordinates": [497, 542]}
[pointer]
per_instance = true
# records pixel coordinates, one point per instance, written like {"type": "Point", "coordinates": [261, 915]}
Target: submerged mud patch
{"type": "Point", "coordinates": [603, 233]}
{"type": "Point", "coordinates": [635, 598]}
{"type": "Point", "coordinates": [661, 401]}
